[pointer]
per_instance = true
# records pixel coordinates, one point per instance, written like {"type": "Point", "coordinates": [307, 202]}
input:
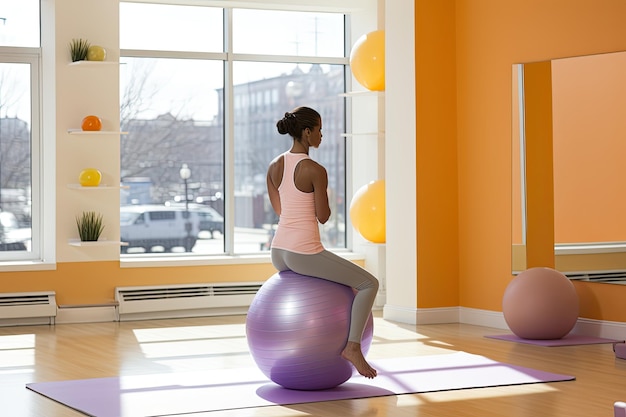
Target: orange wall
{"type": "Point", "coordinates": [491, 35]}
{"type": "Point", "coordinates": [436, 158]}
{"type": "Point", "coordinates": [589, 149]}
{"type": "Point", "coordinates": [95, 282]}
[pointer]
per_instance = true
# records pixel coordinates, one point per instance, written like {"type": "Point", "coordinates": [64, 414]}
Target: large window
{"type": "Point", "coordinates": [19, 136]}
{"type": "Point", "coordinates": [201, 91]}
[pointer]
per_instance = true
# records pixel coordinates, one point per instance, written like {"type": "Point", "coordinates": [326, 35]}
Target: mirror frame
{"type": "Point", "coordinates": [532, 134]}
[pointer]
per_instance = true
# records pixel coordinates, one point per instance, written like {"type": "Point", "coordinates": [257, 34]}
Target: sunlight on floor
{"type": "Point", "coordinates": [18, 351]}
{"type": "Point", "coordinates": [393, 332]}
{"type": "Point", "coordinates": [189, 333]}
{"type": "Point", "coordinates": [493, 392]}
{"type": "Point", "coordinates": [186, 348]}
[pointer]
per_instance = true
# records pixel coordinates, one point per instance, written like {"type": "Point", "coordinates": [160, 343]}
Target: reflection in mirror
{"type": "Point", "coordinates": [535, 156]}
{"type": "Point", "coordinates": [586, 146]}
{"type": "Point", "coordinates": [518, 231]}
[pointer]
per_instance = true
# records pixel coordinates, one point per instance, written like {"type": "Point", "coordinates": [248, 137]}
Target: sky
{"type": "Point", "coordinates": [17, 28]}
{"type": "Point", "coordinates": [191, 86]}
{"type": "Point", "coordinates": [264, 32]}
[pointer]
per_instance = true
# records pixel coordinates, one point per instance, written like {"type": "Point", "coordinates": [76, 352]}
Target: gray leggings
{"type": "Point", "coordinates": [329, 266]}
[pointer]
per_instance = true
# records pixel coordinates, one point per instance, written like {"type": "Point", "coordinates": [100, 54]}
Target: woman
{"type": "Point", "coordinates": [297, 190]}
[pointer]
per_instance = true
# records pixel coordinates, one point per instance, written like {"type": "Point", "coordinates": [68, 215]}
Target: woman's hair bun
{"type": "Point", "coordinates": [295, 121]}
{"type": "Point", "coordinates": [286, 124]}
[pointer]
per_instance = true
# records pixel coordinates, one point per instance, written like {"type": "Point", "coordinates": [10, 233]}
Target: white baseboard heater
{"type": "Point", "coordinates": [187, 300]}
{"type": "Point", "coordinates": [22, 308]}
{"type": "Point", "coordinates": [613, 277]}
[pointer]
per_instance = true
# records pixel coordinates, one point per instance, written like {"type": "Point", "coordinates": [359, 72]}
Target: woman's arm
{"type": "Point", "coordinates": [274, 177]}
{"type": "Point", "coordinates": [320, 187]}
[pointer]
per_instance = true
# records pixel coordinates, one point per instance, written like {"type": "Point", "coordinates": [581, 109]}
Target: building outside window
{"type": "Point", "coordinates": [201, 116]}
{"type": "Point", "coordinates": [20, 200]}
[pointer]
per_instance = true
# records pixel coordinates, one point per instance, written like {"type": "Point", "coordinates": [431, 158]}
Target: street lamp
{"type": "Point", "coordinates": [185, 174]}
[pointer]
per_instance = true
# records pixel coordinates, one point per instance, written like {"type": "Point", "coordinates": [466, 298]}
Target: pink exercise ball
{"type": "Point", "coordinates": [540, 303]}
{"type": "Point", "coordinates": [297, 327]}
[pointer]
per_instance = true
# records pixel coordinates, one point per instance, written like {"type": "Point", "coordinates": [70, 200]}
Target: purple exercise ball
{"type": "Point", "coordinates": [297, 326]}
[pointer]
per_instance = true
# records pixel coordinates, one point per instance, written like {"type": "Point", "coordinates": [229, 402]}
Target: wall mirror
{"type": "Point", "coordinates": [569, 166]}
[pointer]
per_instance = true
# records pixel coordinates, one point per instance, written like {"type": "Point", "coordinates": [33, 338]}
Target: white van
{"type": "Point", "coordinates": [151, 226]}
{"type": "Point", "coordinates": [12, 236]}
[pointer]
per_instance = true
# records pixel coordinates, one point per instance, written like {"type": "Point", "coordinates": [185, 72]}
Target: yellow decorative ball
{"type": "Point", "coordinates": [367, 60]}
{"type": "Point", "coordinates": [367, 211]}
{"type": "Point", "coordinates": [96, 53]}
{"type": "Point", "coordinates": [90, 177]}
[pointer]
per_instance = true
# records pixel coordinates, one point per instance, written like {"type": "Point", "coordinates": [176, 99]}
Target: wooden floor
{"type": "Point", "coordinates": [78, 351]}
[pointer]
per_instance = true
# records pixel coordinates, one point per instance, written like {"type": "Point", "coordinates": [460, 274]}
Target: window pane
{"type": "Point", "coordinates": [273, 32]}
{"type": "Point", "coordinates": [171, 28]}
{"type": "Point", "coordinates": [19, 23]}
{"type": "Point", "coordinates": [169, 108]}
{"type": "Point", "coordinates": [15, 158]}
{"type": "Point", "coordinates": [258, 106]}
{"type": "Point", "coordinates": [175, 111]}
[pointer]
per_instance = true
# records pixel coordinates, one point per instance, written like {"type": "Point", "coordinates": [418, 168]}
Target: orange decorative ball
{"type": "Point", "coordinates": [92, 123]}
{"type": "Point", "coordinates": [90, 177]}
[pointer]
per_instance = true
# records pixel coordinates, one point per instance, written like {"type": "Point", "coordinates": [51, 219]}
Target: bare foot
{"type": "Point", "coordinates": [352, 352]}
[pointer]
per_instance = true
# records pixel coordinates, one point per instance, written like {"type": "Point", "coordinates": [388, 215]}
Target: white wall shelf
{"type": "Point", "coordinates": [365, 93]}
{"type": "Point", "coordinates": [86, 63]}
{"type": "Point", "coordinates": [361, 93]}
{"type": "Point", "coordinates": [378, 134]}
{"type": "Point", "coordinates": [95, 132]}
{"type": "Point", "coordinates": [97, 187]}
{"type": "Point", "coordinates": [102, 242]}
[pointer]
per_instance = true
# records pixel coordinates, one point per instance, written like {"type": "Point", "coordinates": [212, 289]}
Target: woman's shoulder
{"type": "Point", "coordinates": [313, 166]}
{"type": "Point", "coordinates": [278, 158]}
{"type": "Point", "coordinates": [277, 163]}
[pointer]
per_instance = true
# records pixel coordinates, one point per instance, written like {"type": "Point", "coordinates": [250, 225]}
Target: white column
{"type": "Point", "coordinates": [400, 178]}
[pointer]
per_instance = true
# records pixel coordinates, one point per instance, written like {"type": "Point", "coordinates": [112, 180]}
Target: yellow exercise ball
{"type": "Point", "coordinates": [367, 211]}
{"type": "Point", "coordinates": [367, 60]}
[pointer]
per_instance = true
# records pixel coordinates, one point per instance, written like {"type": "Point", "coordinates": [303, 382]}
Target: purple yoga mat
{"type": "Point", "coordinates": [212, 390]}
{"type": "Point", "coordinates": [569, 340]}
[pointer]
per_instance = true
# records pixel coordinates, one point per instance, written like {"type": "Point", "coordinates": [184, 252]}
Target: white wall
{"type": "Point", "coordinates": [400, 162]}
{"type": "Point", "coordinates": [77, 92]}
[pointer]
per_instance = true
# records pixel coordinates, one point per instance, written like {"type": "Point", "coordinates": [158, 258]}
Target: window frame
{"type": "Point", "coordinates": [228, 58]}
{"type": "Point", "coordinates": [32, 57]}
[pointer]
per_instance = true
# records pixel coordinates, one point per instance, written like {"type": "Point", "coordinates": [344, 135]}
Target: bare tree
{"type": "Point", "coordinates": [156, 148]}
{"type": "Point", "coordinates": [15, 147]}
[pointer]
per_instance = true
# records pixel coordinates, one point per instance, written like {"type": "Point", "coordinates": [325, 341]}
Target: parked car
{"type": "Point", "coordinates": [151, 226]}
{"type": "Point", "coordinates": [12, 236]}
{"type": "Point", "coordinates": [210, 219]}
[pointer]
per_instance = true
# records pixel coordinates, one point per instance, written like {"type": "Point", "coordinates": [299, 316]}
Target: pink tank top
{"type": "Point", "coordinates": [298, 228]}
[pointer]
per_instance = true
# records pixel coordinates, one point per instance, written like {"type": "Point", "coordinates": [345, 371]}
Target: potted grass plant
{"type": "Point", "coordinates": [90, 226]}
{"type": "Point", "coordinates": [79, 49]}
